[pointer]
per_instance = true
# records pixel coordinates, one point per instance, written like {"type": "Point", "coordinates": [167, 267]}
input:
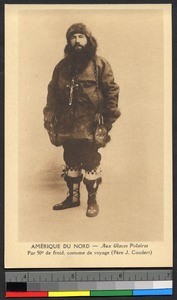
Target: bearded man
{"type": "Point", "coordinates": [82, 105]}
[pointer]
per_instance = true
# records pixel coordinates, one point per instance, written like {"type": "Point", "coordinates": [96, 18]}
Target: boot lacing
{"type": "Point", "coordinates": [91, 197]}
{"type": "Point", "coordinates": [75, 192]}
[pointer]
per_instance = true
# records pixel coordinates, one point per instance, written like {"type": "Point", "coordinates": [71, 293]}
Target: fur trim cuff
{"type": "Point", "coordinates": [73, 179]}
{"type": "Point", "coordinates": [90, 183]}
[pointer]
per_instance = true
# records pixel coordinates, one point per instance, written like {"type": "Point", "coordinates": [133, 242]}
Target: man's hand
{"type": "Point", "coordinates": [101, 136]}
{"type": "Point", "coordinates": [48, 119]}
{"type": "Point", "coordinates": [50, 123]}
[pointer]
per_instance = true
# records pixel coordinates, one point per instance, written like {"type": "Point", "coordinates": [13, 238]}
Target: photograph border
{"type": "Point", "coordinates": [174, 11]}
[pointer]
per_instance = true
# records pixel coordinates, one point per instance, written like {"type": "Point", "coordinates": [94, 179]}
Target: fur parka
{"type": "Point", "coordinates": [76, 105]}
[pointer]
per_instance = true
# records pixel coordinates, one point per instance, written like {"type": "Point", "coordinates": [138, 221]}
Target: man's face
{"type": "Point", "coordinates": [78, 41]}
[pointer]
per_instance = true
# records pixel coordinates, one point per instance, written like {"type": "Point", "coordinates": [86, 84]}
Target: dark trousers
{"type": "Point", "coordinates": [81, 153]}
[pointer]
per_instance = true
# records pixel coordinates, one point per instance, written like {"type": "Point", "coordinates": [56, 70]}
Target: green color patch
{"type": "Point", "coordinates": [111, 293]}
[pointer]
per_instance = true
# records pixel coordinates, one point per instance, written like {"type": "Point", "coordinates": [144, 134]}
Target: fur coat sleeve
{"type": "Point", "coordinates": [52, 93]}
{"type": "Point", "coordinates": [110, 91]}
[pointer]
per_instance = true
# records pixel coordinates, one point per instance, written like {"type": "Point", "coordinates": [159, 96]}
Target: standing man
{"type": "Point", "coordinates": [82, 104]}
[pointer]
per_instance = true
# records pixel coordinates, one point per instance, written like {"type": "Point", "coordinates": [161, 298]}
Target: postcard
{"type": "Point", "coordinates": [88, 136]}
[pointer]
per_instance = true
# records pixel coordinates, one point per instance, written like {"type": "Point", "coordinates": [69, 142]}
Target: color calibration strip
{"type": "Point", "coordinates": [143, 292]}
{"type": "Point", "coordinates": [139, 288]}
{"type": "Point", "coordinates": [88, 283]}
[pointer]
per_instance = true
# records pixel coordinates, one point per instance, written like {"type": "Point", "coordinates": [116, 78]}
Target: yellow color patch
{"type": "Point", "coordinates": [69, 294]}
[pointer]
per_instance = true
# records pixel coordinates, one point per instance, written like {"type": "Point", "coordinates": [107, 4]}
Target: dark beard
{"type": "Point", "coordinates": [79, 58]}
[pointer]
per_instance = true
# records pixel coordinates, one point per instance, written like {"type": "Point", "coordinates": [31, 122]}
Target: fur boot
{"type": "Point", "coordinates": [92, 187]}
{"type": "Point", "coordinates": [73, 178]}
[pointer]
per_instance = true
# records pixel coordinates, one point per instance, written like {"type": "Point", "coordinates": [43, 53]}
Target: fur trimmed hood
{"type": "Point", "coordinates": [78, 28]}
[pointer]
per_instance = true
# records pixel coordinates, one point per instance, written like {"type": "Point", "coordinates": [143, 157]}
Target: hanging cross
{"type": "Point", "coordinates": [71, 90]}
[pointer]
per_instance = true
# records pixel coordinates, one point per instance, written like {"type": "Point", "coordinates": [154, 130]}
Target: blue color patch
{"type": "Point", "coordinates": [152, 292]}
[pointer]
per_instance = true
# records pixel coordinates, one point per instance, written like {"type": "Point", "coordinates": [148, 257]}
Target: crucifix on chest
{"type": "Point", "coordinates": [71, 88]}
